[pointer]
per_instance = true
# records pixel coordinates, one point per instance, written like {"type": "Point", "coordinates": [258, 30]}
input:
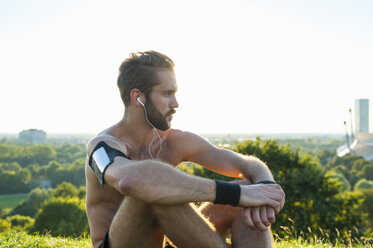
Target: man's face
{"type": "Point", "coordinates": [161, 103]}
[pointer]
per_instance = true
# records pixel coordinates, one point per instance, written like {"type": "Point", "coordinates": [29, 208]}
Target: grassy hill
{"type": "Point", "coordinates": [23, 240]}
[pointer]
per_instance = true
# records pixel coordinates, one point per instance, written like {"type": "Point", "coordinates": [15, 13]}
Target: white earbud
{"type": "Point", "coordinates": [138, 99]}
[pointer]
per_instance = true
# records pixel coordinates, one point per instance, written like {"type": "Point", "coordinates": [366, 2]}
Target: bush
{"type": "Point", "coordinates": [20, 222]}
{"type": "Point", "coordinates": [62, 216]}
{"type": "Point", "coordinates": [5, 225]}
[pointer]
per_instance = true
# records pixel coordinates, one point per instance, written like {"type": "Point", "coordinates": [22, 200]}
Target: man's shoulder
{"type": "Point", "coordinates": [184, 140]}
{"type": "Point", "coordinates": [176, 135]}
{"type": "Point", "coordinates": [111, 140]}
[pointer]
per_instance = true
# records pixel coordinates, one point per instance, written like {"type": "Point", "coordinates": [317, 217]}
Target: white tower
{"type": "Point", "coordinates": [362, 115]}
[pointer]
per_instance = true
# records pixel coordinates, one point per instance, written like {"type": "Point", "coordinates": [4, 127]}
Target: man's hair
{"type": "Point", "coordinates": [139, 71]}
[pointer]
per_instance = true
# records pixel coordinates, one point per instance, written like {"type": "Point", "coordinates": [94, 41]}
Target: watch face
{"type": "Point", "coordinates": [101, 159]}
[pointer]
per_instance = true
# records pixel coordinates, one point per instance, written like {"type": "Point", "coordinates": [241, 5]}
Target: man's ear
{"type": "Point", "coordinates": [135, 93]}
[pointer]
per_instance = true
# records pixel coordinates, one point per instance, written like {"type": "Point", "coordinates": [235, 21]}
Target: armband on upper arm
{"type": "Point", "coordinates": [101, 158]}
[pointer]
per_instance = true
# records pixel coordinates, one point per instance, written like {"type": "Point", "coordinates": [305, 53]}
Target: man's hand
{"type": "Point", "coordinates": [257, 195]}
{"type": "Point", "coordinates": [260, 218]}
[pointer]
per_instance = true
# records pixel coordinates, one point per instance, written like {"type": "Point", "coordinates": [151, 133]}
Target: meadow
{"type": "Point", "coordinates": [10, 201]}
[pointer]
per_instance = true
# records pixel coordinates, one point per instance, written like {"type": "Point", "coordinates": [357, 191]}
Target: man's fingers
{"type": "Point", "coordinates": [274, 204]}
{"type": "Point", "coordinates": [255, 213]}
{"type": "Point", "coordinates": [271, 215]}
{"type": "Point", "coordinates": [247, 218]}
{"type": "Point", "coordinates": [282, 202]}
{"type": "Point", "coordinates": [276, 194]}
{"type": "Point", "coordinates": [263, 215]}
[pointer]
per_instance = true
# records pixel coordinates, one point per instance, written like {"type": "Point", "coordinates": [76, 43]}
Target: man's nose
{"type": "Point", "coordinates": [174, 103]}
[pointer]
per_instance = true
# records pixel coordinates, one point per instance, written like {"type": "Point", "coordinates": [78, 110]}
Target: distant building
{"type": "Point", "coordinates": [32, 136]}
{"type": "Point", "coordinates": [362, 146]}
{"type": "Point", "coordinates": [362, 115]}
{"type": "Point", "coordinates": [362, 142]}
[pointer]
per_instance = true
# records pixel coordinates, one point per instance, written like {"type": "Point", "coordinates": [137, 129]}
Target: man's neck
{"type": "Point", "coordinates": [135, 130]}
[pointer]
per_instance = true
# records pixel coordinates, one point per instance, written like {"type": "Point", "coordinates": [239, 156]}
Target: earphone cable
{"type": "Point", "coordinates": [159, 137]}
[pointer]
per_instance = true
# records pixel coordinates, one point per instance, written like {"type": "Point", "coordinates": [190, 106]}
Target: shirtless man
{"type": "Point", "coordinates": [136, 196]}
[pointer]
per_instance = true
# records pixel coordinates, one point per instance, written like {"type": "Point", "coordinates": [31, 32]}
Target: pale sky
{"type": "Point", "coordinates": [242, 66]}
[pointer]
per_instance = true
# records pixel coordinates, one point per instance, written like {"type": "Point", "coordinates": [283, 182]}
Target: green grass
{"type": "Point", "coordinates": [293, 239]}
{"type": "Point", "coordinates": [302, 244]}
{"type": "Point", "coordinates": [10, 201]}
{"type": "Point", "coordinates": [23, 240]}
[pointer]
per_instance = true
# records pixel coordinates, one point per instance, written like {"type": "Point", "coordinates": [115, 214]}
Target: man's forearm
{"type": "Point", "coordinates": [156, 182]}
{"type": "Point", "coordinates": [254, 169]}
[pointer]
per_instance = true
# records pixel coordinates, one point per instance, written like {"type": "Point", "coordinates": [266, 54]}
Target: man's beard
{"type": "Point", "coordinates": [155, 117]}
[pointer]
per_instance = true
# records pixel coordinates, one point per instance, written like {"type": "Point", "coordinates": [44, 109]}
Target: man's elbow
{"type": "Point", "coordinates": [127, 183]}
{"type": "Point", "coordinates": [124, 185]}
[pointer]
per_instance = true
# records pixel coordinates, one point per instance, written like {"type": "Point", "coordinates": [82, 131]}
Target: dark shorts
{"type": "Point", "coordinates": [105, 241]}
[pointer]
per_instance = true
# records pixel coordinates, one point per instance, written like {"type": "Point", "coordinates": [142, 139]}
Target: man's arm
{"type": "Point", "coordinates": [159, 183]}
{"type": "Point", "coordinates": [231, 164]}
{"type": "Point", "coordinates": [226, 162]}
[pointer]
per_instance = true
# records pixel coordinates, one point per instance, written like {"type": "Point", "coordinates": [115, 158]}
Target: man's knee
{"type": "Point", "coordinates": [162, 210]}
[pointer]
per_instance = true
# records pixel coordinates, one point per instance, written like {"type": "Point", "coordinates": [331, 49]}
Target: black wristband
{"type": "Point", "coordinates": [227, 193]}
{"type": "Point", "coordinates": [267, 182]}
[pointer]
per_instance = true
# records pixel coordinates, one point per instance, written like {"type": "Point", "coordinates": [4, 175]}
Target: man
{"type": "Point", "coordinates": [136, 196]}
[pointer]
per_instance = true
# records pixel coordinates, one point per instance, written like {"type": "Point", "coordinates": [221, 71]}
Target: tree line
{"type": "Point", "coordinates": [324, 193]}
{"type": "Point", "coordinates": [25, 167]}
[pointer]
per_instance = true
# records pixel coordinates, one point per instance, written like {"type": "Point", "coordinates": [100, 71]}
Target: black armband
{"type": "Point", "coordinates": [267, 182]}
{"type": "Point", "coordinates": [227, 193]}
{"type": "Point", "coordinates": [101, 158]}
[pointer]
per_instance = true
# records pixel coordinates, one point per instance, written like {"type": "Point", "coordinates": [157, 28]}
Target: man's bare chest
{"type": "Point", "coordinates": [156, 152]}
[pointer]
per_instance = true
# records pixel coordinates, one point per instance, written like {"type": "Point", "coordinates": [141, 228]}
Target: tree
{"type": "Point", "coordinates": [366, 207]}
{"type": "Point", "coordinates": [68, 153]}
{"type": "Point", "coordinates": [325, 155]}
{"type": "Point", "coordinates": [13, 178]}
{"type": "Point", "coordinates": [343, 184]}
{"type": "Point", "coordinates": [62, 216]}
{"type": "Point", "coordinates": [363, 184]}
{"type": "Point", "coordinates": [65, 190]}
{"type": "Point", "coordinates": [368, 172]}
{"type": "Point", "coordinates": [313, 198]}
{"type": "Point", "coordinates": [33, 202]}
{"type": "Point", "coordinates": [352, 167]}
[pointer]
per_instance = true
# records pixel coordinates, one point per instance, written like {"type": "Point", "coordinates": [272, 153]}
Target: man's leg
{"type": "Point", "coordinates": [227, 218]}
{"type": "Point", "coordinates": [187, 228]}
{"type": "Point", "coordinates": [137, 224]}
{"type": "Point", "coordinates": [242, 236]}
{"type": "Point", "coordinates": [134, 226]}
